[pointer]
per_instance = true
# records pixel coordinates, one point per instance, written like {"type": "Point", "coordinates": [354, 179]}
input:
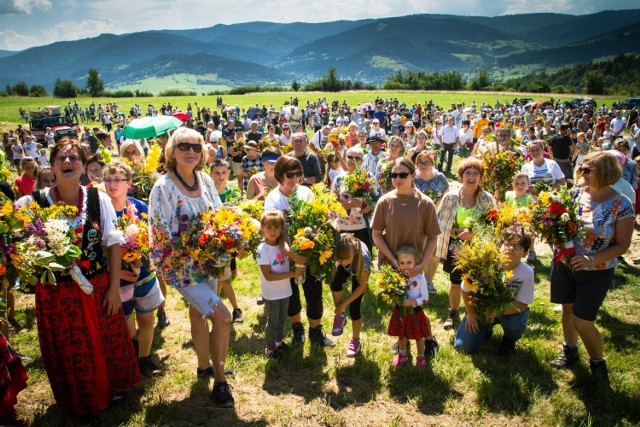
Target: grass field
{"type": "Point", "coordinates": [9, 105]}
{"type": "Point", "coordinates": [323, 387]}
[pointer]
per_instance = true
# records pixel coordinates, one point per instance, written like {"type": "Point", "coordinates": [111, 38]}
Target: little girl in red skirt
{"type": "Point", "coordinates": [408, 320]}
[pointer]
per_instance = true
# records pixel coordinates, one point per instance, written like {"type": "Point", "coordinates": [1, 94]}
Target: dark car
{"type": "Point", "coordinates": [582, 102]}
{"type": "Point", "coordinates": [631, 102]}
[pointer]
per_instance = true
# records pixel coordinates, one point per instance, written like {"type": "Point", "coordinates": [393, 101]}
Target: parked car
{"type": "Point", "coordinates": [631, 103]}
{"type": "Point", "coordinates": [582, 102]}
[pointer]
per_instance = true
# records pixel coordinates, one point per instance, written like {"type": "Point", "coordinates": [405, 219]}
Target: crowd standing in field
{"type": "Point", "coordinates": [276, 156]}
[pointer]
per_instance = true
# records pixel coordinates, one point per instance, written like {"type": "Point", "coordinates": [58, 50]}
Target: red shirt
{"type": "Point", "coordinates": [25, 184]}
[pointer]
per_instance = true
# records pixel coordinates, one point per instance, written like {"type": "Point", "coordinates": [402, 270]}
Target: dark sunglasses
{"type": "Point", "coordinates": [296, 174]}
{"type": "Point", "coordinates": [584, 171]}
{"type": "Point", "coordinates": [401, 175]}
{"type": "Point", "coordinates": [354, 158]}
{"type": "Point", "coordinates": [184, 146]}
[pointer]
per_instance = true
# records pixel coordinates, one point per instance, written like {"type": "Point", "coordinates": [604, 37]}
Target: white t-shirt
{"type": "Point", "coordinates": [276, 201]}
{"type": "Point", "coordinates": [279, 263]}
{"type": "Point", "coordinates": [30, 149]}
{"type": "Point", "coordinates": [549, 172]}
{"type": "Point", "coordinates": [418, 289]}
{"type": "Point", "coordinates": [521, 283]}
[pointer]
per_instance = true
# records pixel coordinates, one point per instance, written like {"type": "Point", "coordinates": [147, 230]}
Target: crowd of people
{"type": "Point", "coordinates": [96, 346]}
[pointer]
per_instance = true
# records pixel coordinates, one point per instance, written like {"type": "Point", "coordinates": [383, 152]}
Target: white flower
{"type": "Point", "coordinates": [565, 217]}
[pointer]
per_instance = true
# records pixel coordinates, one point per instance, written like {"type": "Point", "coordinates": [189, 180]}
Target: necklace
{"type": "Point", "coordinates": [193, 187]}
{"type": "Point", "coordinates": [56, 193]}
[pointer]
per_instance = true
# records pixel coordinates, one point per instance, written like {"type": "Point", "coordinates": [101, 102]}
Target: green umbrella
{"type": "Point", "coordinates": [149, 127]}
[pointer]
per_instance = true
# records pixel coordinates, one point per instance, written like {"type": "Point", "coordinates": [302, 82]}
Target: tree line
{"type": "Point", "coordinates": [617, 76]}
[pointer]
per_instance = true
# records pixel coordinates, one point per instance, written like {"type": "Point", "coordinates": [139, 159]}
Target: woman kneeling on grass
{"type": "Point", "coordinates": [582, 286]}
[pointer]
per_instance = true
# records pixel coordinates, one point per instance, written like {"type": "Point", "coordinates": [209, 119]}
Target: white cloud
{"type": "Point", "coordinates": [10, 40]}
{"type": "Point", "coordinates": [23, 6]}
{"type": "Point", "coordinates": [82, 29]}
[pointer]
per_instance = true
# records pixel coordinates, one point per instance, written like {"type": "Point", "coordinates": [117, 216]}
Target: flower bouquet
{"type": "Point", "coordinates": [49, 244]}
{"type": "Point", "coordinates": [253, 207]}
{"type": "Point", "coordinates": [135, 248]}
{"type": "Point", "coordinates": [287, 148]}
{"type": "Point", "coordinates": [499, 170]}
{"type": "Point", "coordinates": [481, 264]}
{"type": "Point", "coordinates": [267, 142]}
{"type": "Point", "coordinates": [554, 217]}
{"type": "Point", "coordinates": [145, 173]}
{"type": "Point", "coordinates": [13, 265]}
{"type": "Point", "coordinates": [215, 236]}
{"type": "Point", "coordinates": [384, 175]}
{"type": "Point", "coordinates": [391, 284]}
{"type": "Point", "coordinates": [311, 233]}
{"type": "Point", "coordinates": [358, 184]}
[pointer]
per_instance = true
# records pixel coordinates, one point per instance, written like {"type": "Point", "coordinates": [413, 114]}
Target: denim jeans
{"type": "Point", "coordinates": [513, 325]}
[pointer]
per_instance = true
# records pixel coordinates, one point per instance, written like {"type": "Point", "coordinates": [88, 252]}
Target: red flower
{"type": "Point", "coordinates": [203, 239]}
{"type": "Point", "coordinates": [556, 208]}
{"type": "Point", "coordinates": [492, 215]}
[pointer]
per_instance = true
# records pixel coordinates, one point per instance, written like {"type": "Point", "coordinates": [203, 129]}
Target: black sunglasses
{"type": "Point", "coordinates": [354, 158]}
{"type": "Point", "coordinates": [584, 171]}
{"type": "Point", "coordinates": [401, 175]}
{"type": "Point", "coordinates": [184, 146]}
{"type": "Point", "coordinates": [296, 174]}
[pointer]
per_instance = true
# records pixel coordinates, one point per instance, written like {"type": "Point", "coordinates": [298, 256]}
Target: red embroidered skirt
{"type": "Point", "coordinates": [413, 326]}
{"type": "Point", "coordinates": [13, 378]}
{"type": "Point", "coordinates": [87, 354]}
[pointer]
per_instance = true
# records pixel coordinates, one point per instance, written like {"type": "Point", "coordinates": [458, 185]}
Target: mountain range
{"type": "Point", "coordinates": [368, 50]}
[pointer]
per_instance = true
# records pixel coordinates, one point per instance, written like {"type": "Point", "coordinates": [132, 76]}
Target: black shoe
{"type": "Point", "coordinates": [317, 336]}
{"type": "Point", "coordinates": [260, 300]}
{"type": "Point", "coordinates": [431, 347]}
{"type": "Point", "coordinates": [283, 347]}
{"type": "Point", "coordinates": [205, 373]}
{"type": "Point", "coordinates": [507, 347]}
{"type": "Point", "coordinates": [276, 353]}
{"type": "Point", "coordinates": [15, 325]}
{"type": "Point", "coordinates": [567, 358]}
{"type": "Point", "coordinates": [237, 316]}
{"type": "Point", "coordinates": [620, 258]}
{"type": "Point", "coordinates": [147, 367]}
{"type": "Point", "coordinates": [453, 321]}
{"type": "Point", "coordinates": [298, 333]}
{"type": "Point", "coordinates": [221, 395]}
{"type": "Point", "coordinates": [599, 371]}
{"type": "Point", "coordinates": [163, 320]}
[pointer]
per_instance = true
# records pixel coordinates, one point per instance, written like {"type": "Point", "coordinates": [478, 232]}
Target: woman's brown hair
{"type": "Point", "coordinates": [285, 164]}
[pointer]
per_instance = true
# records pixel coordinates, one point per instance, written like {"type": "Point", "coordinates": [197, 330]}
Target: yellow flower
{"type": "Point", "coordinates": [324, 256]}
{"type": "Point", "coordinates": [6, 209]}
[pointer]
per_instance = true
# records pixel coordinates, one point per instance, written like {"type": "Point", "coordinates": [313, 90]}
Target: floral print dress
{"type": "Point", "coordinates": [170, 214]}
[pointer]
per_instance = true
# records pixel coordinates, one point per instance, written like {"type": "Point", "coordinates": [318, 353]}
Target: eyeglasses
{"type": "Point", "coordinates": [584, 171]}
{"type": "Point", "coordinates": [354, 157]}
{"type": "Point", "coordinates": [424, 163]}
{"type": "Point", "coordinates": [72, 159]}
{"type": "Point", "coordinates": [514, 246]}
{"type": "Point", "coordinates": [296, 174]}
{"type": "Point", "coordinates": [401, 175]}
{"type": "Point", "coordinates": [286, 128]}
{"type": "Point", "coordinates": [184, 146]}
{"type": "Point", "coordinates": [115, 180]}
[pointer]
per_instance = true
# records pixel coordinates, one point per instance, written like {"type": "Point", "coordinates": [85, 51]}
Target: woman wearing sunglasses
{"type": "Point", "coordinates": [394, 211]}
{"type": "Point", "coordinates": [184, 192]}
{"type": "Point", "coordinates": [455, 211]}
{"type": "Point", "coordinates": [288, 172]}
{"type": "Point", "coordinates": [581, 287]}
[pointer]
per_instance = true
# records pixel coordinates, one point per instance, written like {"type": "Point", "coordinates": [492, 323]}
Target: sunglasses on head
{"type": "Point", "coordinates": [401, 175]}
{"type": "Point", "coordinates": [296, 174]}
{"type": "Point", "coordinates": [184, 146]}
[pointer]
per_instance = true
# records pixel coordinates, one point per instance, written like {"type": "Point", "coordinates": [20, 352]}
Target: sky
{"type": "Point", "coordinates": [27, 23]}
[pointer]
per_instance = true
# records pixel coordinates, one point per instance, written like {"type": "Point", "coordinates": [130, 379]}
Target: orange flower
{"type": "Point", "coordinates": [307, 244]}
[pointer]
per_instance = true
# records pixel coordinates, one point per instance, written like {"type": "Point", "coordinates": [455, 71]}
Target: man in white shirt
{"type": "Point", "coordinates": [370, 161]}
{"type": "Point", "coordinates": [618, 125]}
{"type": "Point", "coordinates": [450, 139]}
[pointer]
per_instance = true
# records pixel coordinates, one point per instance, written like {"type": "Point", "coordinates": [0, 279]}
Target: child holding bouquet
{"type": "Point", "coordinates": [354, 260]}
{"type": "Point", "coordinates": [139, 288]}
{"type": "Point", "coordinates": [475, 327]}
{"type": "Point", "coordinates": [520, 198]}
{"type": "Point", "coordinates": [273, 258]}
{"type": "Point", "coordinates": [408, 320]}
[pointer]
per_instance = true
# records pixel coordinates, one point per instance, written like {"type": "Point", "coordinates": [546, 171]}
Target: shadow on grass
{"type": "Point", "coordinates": [606, 407]}
{"type": "Point", "coordinates": [195, 410]}
{"type": "Point", "coordinates": [541, 325]}
{"type": "Point", "coordinates": [357, 384]}
{"type": "Point", "coordinates": [296, 374]}
{"type": "Point", "coordinates": [625, 274]}
{"type": "Point", "coordinates": [624, 335]}
{"type": "Point", "coordinates": [511, 390]}
{"type": "Point", "coordinates": [431, 391]}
